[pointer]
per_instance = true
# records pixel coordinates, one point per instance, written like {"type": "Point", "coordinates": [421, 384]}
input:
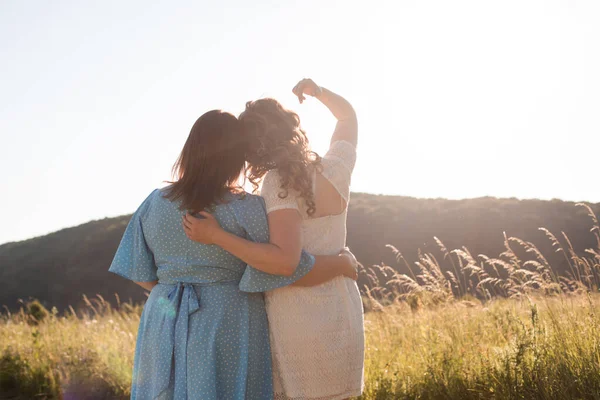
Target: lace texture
{"type": "Point", "coordinates": [338, 165]}
{"type": "Point", "coordinates": [316, 333]}
{"type": "Point", "coordinates": [270, 191]}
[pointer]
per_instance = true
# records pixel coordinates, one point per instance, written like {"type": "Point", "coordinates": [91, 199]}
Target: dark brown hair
{"type": "Point", "coordinates": [210, 163]}
{"type": "Point", "coordinates": [276, 141]}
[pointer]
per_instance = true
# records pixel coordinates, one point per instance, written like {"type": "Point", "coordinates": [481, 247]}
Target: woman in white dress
{"type": "Point", "coordinates": [317, 334]}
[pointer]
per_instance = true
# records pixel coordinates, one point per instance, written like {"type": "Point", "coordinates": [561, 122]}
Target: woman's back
{"type": "Point", "coordinates": [179, 259]}
{"type": "Point", "coordinates": [201, 335]}
{"type": "Point", "coordinates": [326, 360]}
{"type": "Point", "coordinates": [325, 232]}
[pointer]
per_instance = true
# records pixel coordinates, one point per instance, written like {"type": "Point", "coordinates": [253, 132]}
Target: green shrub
{"type": "Point", "coordinates": [19, 379]}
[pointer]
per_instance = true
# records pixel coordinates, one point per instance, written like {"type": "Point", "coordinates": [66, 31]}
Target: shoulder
{"type": "Point", "coordinates": [340, 149]}
{"type": "Point", "coordinates": [147, 204]}
{"type": "Point", "coordinates": [276, 196]}
{"type": "Point", "coordinates": [271, 182]}
{"type": "Point", "coordinates": [341, 153]}
{"type": "Point", "coordinates": [247, 201]}
{"type": "Point", "coordinates": [272, 186]}
{"type": "Point", "coordinates": [249, 210]}
{"type": "Point", "coordinates": [344, 144]}
{"type": "Point", "coordinates": [156, 194]}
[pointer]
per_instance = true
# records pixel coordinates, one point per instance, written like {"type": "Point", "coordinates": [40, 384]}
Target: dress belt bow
{"type": "Point", "coordinates": [181, 302]}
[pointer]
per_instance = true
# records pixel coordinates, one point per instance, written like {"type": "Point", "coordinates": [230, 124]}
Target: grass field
{"type": "Point", "coordinates": [507, 327]}
{"type": "Point", "coordinates": [539, 348]}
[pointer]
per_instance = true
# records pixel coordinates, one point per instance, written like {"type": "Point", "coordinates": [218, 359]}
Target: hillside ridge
{"type": "Point", "coordinates": [60, 267]}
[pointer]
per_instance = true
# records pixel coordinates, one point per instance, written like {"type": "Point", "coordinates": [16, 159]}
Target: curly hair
{"type": "Point", "coordinates": [276, 141]}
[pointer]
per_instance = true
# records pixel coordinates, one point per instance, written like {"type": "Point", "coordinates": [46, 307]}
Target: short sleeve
{"type": "Point", "coordinates": [134, 259]}
{"type": "Point", "coordinates": [272, 192]}
{"type": "Point", "coordinates": [338, 165]}
{"type": "Point", "coordinates": [253, 219]}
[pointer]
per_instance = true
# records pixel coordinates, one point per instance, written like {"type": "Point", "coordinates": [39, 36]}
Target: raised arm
{"type": "Point", "coordinates": [347, 125]}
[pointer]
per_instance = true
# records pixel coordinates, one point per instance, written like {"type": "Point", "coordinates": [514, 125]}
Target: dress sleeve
{"type": "Point", "coordinates": [253, 219]}
{"type": "Point", "coordinates": [134, 259]}
{"type": "Point", "coordinates": [272, 192]}
{"type": "Point", "coordinates": [338, 165]}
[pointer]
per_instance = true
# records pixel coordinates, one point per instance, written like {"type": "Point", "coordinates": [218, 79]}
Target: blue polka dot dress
{"type": "Point", "coordinates": [203, 333]}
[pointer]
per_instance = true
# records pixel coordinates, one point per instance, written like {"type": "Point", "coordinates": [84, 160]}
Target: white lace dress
{"type": "Point", "coordinates": [317, 334]}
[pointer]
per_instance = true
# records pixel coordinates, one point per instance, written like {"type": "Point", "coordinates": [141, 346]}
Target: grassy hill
{"type": "Point", "coordinates": [60, 267]}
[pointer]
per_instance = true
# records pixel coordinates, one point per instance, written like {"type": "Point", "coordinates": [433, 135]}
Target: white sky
{"type": "Point", "coordinates": [455, 98]}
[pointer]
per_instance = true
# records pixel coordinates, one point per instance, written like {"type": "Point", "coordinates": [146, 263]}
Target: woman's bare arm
{"type": "Point", "coordinates": [280, 257]}
{"type": "Point", "coordinates": [347, 125]}
{"type": "Point", "coordinates": [328, 267]}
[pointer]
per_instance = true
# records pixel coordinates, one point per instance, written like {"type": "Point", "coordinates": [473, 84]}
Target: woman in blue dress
{"type": "Point", "coordinates": [203, 333]}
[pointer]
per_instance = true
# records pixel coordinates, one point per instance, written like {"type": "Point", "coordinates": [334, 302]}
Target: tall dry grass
{"type": "Point", "coordinates": [457, 327]}
{"type": "Point", "coordinates": [528, 348]}
{"type": "Point", "coordinates": [459, 274]}
{"type": "Point", "coordinates": [84, 354]}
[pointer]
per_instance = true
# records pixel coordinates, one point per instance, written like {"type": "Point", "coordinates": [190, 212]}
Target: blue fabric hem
{"type": "Point", "coordinates": [121, 274]}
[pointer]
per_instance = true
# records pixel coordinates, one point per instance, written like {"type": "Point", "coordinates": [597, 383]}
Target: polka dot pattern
{"type": "Point", "coordinates": [203, 333]}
